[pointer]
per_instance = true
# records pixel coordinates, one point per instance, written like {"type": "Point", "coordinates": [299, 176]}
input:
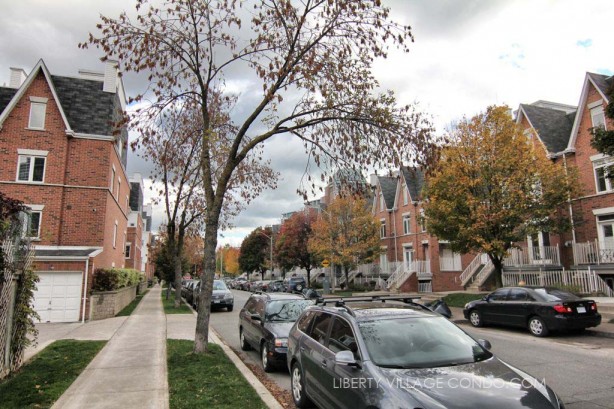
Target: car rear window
{"type": "Point", "coordinates": [554, 294]}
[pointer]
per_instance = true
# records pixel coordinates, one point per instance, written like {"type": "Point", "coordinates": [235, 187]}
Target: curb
{"type": "Point", "coordinates": [589, 331]}
{"type": "Point", "coordinates": [262, 391]}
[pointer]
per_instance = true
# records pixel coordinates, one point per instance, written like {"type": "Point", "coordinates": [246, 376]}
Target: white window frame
{"type": "Point", "coordinates": [597, 112]}
{"type": "Point", "coordinates": [31, 209]}
{"type": "Point", "coordinates": [112, 185]}
{"type": "Point", "coordinates": [382, 228]}
{"type": "Point", "coordinates": [128, 247]}
{"type": "Point", "coordinates": [382, 206]}
{"type": "Point", "coordinates": [33, 155]}
{"type": "Point", "coordinates": [406, 223]}
{"type": "Point", "coordinates": [405, 195]}
{"type": "Point", "coordinates": [37, 102]}
{"type": "Point", "coordinates": [602, 164]}
{"type": "Point", "coordinates": [115, 235]}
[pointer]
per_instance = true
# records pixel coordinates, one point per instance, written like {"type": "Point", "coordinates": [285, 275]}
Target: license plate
{"type": "Point", "coordinates": [581, 310]}
{"type": "Point", "coordinates": [216, 301]}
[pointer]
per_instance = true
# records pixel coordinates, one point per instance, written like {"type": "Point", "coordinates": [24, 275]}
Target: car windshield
{"type": "Point", "coordinates": [553, 294]}
{"type": "Point", "coordinates": [296, 280]}
{"type": "Point", "coordinates": [286, 310]}
{"type": "Point", "coordinates": [424, 342]}
{"type": "Point", "coordinates": [219, 285]}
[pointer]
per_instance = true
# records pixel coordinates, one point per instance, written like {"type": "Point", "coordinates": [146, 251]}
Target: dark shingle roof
{"type": "Point", "coordinates": [603, 82]}
{"type": "Point", "coordinates": [414, 178]}
{"type": "Point", "coordinates": [553, 126]}
{"type": "Point", "coordinates": [87, 107]}
{"type": "Point", "coordinates": [6, 94]}
{"type": "Point", "coordinates": [388, 185]}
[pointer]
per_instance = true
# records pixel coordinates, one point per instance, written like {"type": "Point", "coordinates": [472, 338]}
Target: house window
{"type": "Point", "coordinates": [127, 250]}
{"type": "Point", "coordinates": [112, 184]}
{"type": "Point", "coordinates": [119, 185]}
{"type": "Point", "coordinates": [405, 195]}
{"type": "Point", "coordinates": [422, 221]}
{"type": "Point", "coordinates": [32, 223]}
{"type": "Point", "coordinates": [31, 168]}
{"type": "Point", "coordinates": [602, 182]}
{"type": "Point", "coordinates": [115, 234]}
{"type": "Point", "coordinates": [38, 107]}
{"type": "Point", "coordinates": [381, 202]}
{"type": "Point", "coordinates": [406, 224]}
{"type": "Point", "coordinates": [606, 231]}
{"type": "Point", "coordinates": [598, 117]}
{"type": "Point", "coordinates": [382, 228]}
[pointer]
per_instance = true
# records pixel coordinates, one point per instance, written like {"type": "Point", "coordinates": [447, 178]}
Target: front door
{"type": "Point", "coordinates": [606, 238]}
{"type": "Point", "coordinates": [408, 258]}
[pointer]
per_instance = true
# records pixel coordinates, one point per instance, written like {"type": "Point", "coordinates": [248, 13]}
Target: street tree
{"type": "Point", "coordinates": [228, 260]}
{"type": "Point", "coordinates": [255, 251]}
{"type": "Point", "coordinates": [305, 69]}
{"type": "Point", "coordinates": [491, 188]}
{"type": "Point", "coordinates": [347, 234]}
{"type": "Point", "coordinates": [291, 248]}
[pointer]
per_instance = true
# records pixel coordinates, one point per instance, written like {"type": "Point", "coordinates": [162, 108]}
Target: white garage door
{"type": "Point", "coordinates": [58, 297]}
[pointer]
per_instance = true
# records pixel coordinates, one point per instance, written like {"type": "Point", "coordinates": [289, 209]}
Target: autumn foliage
{"type": "Point", "coordinates": [493, 186]}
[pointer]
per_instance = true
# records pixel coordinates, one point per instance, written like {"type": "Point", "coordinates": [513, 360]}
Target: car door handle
{"type": "Point", "coordinates": [324, 363]}
{"type": "Point", "coordinates": [302, 349]}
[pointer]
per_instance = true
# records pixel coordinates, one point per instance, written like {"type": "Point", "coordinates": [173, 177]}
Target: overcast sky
{"type": "Point", "coordinates": [467, 55]}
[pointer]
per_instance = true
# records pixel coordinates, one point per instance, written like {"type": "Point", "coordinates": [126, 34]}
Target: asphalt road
{"type": "Point", "coordinates": [579, 368]}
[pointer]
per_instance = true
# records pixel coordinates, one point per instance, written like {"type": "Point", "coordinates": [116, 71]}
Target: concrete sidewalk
{"type": "Point", "coordinates": [130, 371]}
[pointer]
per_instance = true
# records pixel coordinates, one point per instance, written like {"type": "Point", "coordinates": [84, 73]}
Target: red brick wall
{"type": "Point", "coordinates": [135, 238]}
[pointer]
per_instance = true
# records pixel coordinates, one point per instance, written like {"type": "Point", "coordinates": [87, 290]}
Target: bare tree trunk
{"type": "Point", "coordinates": [201, 336]}
{"type": "Point", "coordinates": [308, 276]}
{"type": "Point", "coordinates": [498, 264]}
{"type": "Point", "coordinates": [347, 280]}
{"type": "Point", "coordinates": [178, 275]}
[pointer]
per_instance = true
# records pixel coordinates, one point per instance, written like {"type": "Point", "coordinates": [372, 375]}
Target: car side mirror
{"type": "Point", "coordinates": [345, 358]}
{"type": "Point", "coordinates": [486, 298]}
{"type": "Point", "coordinates": [255, 317]}
{"type": "Point", "coordinates": [485, 344]}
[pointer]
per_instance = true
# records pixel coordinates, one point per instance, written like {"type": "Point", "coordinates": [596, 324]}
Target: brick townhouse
{"type": "Point", "coordinates": [62, 156]}
{"type": "Point", "coordinates": [564, 131]}
{"type": "Point", "coordinates": [418, 261]}
{"type": "Point", "coordinates": [139, 229]}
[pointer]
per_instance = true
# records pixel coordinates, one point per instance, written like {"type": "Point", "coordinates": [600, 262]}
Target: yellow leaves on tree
{"type": "Point", "coordinates": [347, 234]}
{"type": "Point", "coordinates": [492, 186]}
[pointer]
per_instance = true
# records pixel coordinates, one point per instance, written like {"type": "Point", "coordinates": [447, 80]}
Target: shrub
{"type": "Point", "coordinates": [115, 278]}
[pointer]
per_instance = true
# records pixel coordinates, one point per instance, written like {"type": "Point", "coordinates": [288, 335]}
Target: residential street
{"type": "Point", "coordinates": [578, 368]}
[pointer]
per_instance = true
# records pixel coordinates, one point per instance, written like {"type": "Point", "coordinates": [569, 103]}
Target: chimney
{"type": "Point", "coordinates": [110, 76]}
{"type": "Point", "coordinates": [18, 76]}
{"type": "Point", "coordinates": [373, 179]}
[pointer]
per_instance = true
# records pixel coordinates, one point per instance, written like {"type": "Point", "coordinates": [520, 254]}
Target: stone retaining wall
{"type": "Point", "coordinates": [108, 303]}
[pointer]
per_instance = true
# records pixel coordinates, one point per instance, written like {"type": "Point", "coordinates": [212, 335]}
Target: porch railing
{"type": "Point", "coordinates": [534, 255]}
{"type": "Point", "coordinates": [585, 281]}
{"type": "Point", "coordinates": [468, 273]}
{"type": "Point", "coordinates": [593, 252]}
{"type": "Point", "coordinates": [425, 287]}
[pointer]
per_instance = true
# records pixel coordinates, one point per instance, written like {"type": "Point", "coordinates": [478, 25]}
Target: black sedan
{"type": "Point", "coordinates": [540, 309]}
{"type": "Point", "coordinates": [264, 323]}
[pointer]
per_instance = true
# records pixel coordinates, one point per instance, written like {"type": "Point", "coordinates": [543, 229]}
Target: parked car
{"type": "Point", "coordinates": [292, 284]}
{"type": "Point", "coordinates": [236, 283]}
{"type": "Point", "coordinates": [374, 354]}
{"type": "Point", "coordinates": [188, 294]}
{"type": "Point", "coordinates": [185, 284]}
{"type": "Point", "coordinates": [540, 309]}
{"type": "Point", "coordinates": [256, 286]}
{"type": "Point", "coordinates": [274, 286]}
{"type": "Point", "coordinates": [264, 323]}
{"type": "Point", "coordinates": [221, 296]}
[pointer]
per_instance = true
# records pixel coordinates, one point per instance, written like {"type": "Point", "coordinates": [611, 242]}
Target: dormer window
{"type": "Point", "coordinates": [38, 109]}
{"type": "Point", "coordinates": [381, 202]}
{"type": "Point", "coordinates": [598, 117]}
{"type": "Point", "coordinates": [405, 195]}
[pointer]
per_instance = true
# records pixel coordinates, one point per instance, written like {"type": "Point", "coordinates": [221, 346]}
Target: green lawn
{"type": "Point", "coordinates": [206, 381]}
{"type": "Point", "coordinates": [460, 299]}
{"type": "Point", "coordinates": [43, 380]}
{"type": "Point", "coordinates": [169, 305]}
{"type": "Point", "coordinates": [130, 307]}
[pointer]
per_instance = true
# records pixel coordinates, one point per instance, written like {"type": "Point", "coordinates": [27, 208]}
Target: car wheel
{"type": "Point", "coordinates": [537, 327]}
{"type": "Point", "coordinates": [298, 387]}
{"type": "Point", "coordinates": [244, 344]}
{"type": "Point", "coordinates": [264, 358]}
{"type": "Point", "coordinates": [299, 287]}
{"type": "Point", "coordinates": [475, 318]}
{"type": "Point", "coordinates": [229, 309]}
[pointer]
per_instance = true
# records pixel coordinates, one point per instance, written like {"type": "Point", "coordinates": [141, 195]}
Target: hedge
{"type": "Point", "coordinates": [111, 279]}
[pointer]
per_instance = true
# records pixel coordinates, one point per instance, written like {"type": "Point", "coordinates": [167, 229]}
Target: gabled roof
{"type": "Point", "coordinates": [414, 179]}
{"type": "Point", "coordinates": [84, 106]}
{"type": "Point", "coordinates": [388, 186]}
{"type": "Point", "coordinates": [602, 84]}
{"type": "Point", "coordinates": [553, 126]}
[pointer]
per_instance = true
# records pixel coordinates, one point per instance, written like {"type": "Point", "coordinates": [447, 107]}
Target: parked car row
{"type": "Point", "coordinates": [331, 346]}
{"type": "Point", "coordinates": [221, 296]}
{"type": "Point", "coordinates": [290, 284]}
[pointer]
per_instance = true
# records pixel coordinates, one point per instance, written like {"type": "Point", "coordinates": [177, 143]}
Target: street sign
{"type": "Point", "coordinates": [325, 263]}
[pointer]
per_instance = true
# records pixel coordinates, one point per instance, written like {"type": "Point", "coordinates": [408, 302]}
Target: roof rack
{"type": "Point", "coordinates": [341, 301]}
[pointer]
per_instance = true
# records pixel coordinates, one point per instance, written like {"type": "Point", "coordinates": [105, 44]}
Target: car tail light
{"type": "Point", "coordinates": [563, 309]}
{"type": "Point", "coordinates": [593, 306]}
